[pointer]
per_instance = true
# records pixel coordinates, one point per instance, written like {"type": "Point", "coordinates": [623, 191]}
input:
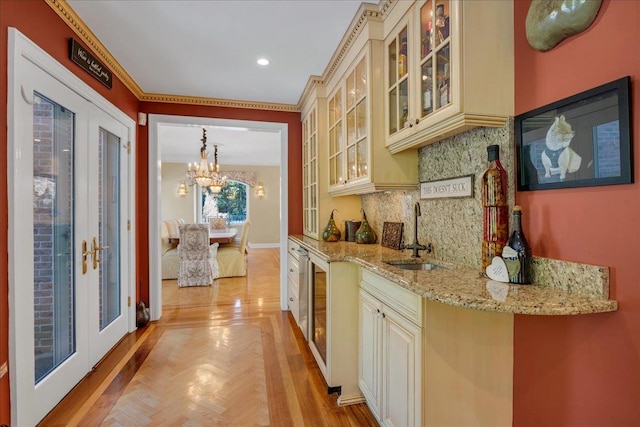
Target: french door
{"type": "Point", "coordinates": [68, 193]}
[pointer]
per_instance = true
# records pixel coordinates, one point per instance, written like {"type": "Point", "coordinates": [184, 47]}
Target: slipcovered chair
{"type": "Point", "coordinates": [169, 251]}
{"type": "Point", "coordinates": [232, 259]}
{"type": "Point", "coordinates": [198, 259]}
{"type": "Point", "coordinates": [218, 223]}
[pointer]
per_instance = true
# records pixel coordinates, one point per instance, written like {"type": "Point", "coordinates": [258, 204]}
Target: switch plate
{"type": "Point", "coordinates": [3, 369]}
{"type": "Point", "coordinates": [407, 207]}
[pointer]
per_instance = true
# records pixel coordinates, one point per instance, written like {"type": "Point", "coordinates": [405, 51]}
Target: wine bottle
{"type": "Point", "coordinates": [518, 242]}
{"type": "Point", "coordinates": [495, 209]}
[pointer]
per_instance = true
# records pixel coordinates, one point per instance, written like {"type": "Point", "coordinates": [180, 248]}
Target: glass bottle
{"type": "Point", "coordinates": [518, 242]}
{"type": "Point", "coordinates": [495, 209]}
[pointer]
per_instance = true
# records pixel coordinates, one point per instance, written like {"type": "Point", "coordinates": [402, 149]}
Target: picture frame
{"type": "Point", "coordinates": [392, 235]}
{"type": "Point", "coordinates": [583, 140]}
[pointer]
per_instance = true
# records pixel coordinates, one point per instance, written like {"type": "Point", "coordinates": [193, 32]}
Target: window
{"type": "Point", "coordinates": [230, 203]}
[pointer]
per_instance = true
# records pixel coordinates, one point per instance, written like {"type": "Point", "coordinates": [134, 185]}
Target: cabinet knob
{"type": "Point", "coordinates": [384, 315]}
{"type": "Point", "coordinates": [417, 121]}
{"type": "Point", "coordinates": [291, 270]}
{"type": "Point", "coordinates": [290, 298]}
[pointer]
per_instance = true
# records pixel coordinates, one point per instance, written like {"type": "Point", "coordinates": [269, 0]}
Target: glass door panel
{"type": "Point", "coordinates": [109, 228]}
{"type": "Point", "coordinates": [393, 111]}
{"type": "Point", "coordinates": [54, 296]}
{"type": "Point", "coordinates": [363, 168]}
{"type": "Point", "coordinates": [427, 88]}
{"type": "Point", "coordinates": [351, 163]}
{"type": "Point", "coordinates": [106, 233]}
{"type": "Point", "coordinates": [319, 307]}
{"type": "Point", "coordinates": [426, 29]}
{"type": "Point", "coordinates": [69, 185]}
{"type": "Point", "coordinates": [442, 29]}
{"type": "Point", "coordinates": [444, 89]}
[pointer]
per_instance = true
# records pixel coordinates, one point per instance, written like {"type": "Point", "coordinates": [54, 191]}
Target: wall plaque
{"type": "Point", "coordinates": [89, 63]}
{"type": "Point", "coordinates": [455, 187]}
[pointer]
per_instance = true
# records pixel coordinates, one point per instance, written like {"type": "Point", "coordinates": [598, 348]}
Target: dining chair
{"type": "Point", "coordinates": [232, 259]}
{"type": "Point", "coordinates": [198, 259]}
{"type": "Point", "coordinates": [218, 223]}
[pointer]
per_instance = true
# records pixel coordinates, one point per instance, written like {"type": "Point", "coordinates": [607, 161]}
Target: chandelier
{"type": "Point", "coordinates": [206, 174]}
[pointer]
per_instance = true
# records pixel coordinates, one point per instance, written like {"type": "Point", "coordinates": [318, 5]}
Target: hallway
{"type": "Point", "coordinates": [223, 355]}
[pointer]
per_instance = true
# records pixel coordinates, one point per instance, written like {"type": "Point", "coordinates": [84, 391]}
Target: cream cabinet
{"type": "Point", "coordinates": [310, 173]}
{"type": "Point", "coordinates": [448, 67]}
{"type": "Point", "coordinates": [390, 351]}
{"type": "Point", "coordinates": [297, 285]}
{"type": "Point", "coordinates": [359, 162]}
{"type": "Point", "coordinates": [317, 203]}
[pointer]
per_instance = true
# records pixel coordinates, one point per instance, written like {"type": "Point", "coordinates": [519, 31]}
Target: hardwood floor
{"type": "Point", "coordinates": [224, 355]}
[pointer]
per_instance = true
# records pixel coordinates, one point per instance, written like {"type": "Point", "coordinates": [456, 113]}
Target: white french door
{"type": "Point", "coordinates": [68, 243]}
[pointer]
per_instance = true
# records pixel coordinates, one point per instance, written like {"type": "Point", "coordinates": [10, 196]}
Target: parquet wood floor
{"type": "Point", "coordinates": [224, 355]}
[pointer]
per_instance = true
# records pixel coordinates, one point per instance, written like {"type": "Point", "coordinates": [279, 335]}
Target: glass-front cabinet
{"type": "Point", "coordinates": [348, 129]}
{"type": "Point", "coordinates": [336, 140]}
{"type": "Point", "coordinates": [440, 78]}
{"type": "Point", "coordinates": [356, 143]}
{"type": "Point", "coordinates": [317, 204]}
{"type": "Point", "coordinates": [310, 173]}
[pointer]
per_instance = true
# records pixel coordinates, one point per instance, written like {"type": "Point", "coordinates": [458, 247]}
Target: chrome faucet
{"type": "Point", "coordinates": [415, 246]}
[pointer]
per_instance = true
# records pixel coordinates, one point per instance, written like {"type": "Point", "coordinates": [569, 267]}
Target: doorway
{"type": "Point", "coordinates": [155, 187]}
{"type": "Point", "coordinates": [69, 260]}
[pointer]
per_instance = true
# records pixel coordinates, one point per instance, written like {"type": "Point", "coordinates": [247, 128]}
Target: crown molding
{"type": "Point", "coordinates": [367, 12]}
{"type": "Point", "coordinates": [216, 102]}
{"type": "Point", "coordinates": [68, 15]}
{"type": "Point", "coordinates": [71, 18]}
{"type": "Point", "coordinates": [313, 82]}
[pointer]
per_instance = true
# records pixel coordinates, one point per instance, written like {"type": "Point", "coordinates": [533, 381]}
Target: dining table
{"type": "Point", "coordinates": [215, 236]}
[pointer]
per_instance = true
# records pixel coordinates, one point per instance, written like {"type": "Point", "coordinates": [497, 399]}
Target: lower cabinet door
{"type": "Point", "coordinates": [401, 371]}
{"type": "Point", "coordinates": [369, 368]}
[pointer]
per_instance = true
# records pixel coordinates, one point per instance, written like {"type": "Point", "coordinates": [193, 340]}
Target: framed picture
{"type": "Point", "coordinates": [583, 140]}
{"type": "Point", "coordinates": [392, 234]}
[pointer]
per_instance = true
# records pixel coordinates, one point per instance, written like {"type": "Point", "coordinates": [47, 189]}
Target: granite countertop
{"type": "Point", "coordinates": [459, 285]}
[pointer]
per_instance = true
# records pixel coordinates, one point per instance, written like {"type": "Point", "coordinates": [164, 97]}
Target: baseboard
{"type": "Point", "coordinates": [350, 400]}
{"type": "Point", "coordinates": [263, 245]}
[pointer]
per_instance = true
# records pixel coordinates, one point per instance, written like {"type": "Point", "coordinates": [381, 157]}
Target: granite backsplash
{"type": "Point", "coordinates": [452, 226]}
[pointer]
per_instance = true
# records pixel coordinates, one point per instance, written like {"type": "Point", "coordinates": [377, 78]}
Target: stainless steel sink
{"type": "Point", "coordinates": [414, 265]}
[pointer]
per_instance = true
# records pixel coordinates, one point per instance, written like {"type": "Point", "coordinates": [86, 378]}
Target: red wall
{"type": "Point", "coordinates": [294, 155]}
{"type": "Point", "coordinates": [37, 21]}
{"type": "Point", "coordinates": [582, 370]}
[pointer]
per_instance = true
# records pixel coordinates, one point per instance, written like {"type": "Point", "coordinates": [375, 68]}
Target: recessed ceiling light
{"type": "Point", "coordinates": [263, 61]}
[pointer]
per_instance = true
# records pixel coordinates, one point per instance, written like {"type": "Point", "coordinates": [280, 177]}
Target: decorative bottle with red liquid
{"type": "Point", "coordinates": [495, 209]}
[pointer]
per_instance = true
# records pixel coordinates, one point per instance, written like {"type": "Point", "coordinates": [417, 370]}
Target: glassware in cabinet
{"type": "Point", "coordinates": [310, 174]}
{"type": "Point", "coordinates": [335, 139]}
{"type": "Point", "coordinates": [349, 150]}
{"type": "Point", "coordinates": [455, 83]}
{"type": "Point", "coordinates": [398, 63]}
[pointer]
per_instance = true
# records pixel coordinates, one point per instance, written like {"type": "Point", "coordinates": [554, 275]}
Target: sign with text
{"type": "Point", "coordinates": [454, 187]}
{"type": "Point", "coordinates": [89, 63]}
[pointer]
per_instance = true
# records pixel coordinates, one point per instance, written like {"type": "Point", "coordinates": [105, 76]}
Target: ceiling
{"type": "Point", "coordinates": [209, 48]}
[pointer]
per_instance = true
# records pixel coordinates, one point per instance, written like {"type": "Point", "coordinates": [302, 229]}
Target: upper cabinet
{"type": "Point", "coordinates": [348, 139]}
{"type": "Point", "coordinates": [317, 204]}
{"type": "Point", "coordinates": [310, 173]}
{"type": "Point", "coordinates": [448, 67]}
{"type": "Point", "coordinates": [359, 162]}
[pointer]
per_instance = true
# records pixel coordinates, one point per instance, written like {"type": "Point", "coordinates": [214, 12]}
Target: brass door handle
{"type": "Point", "coordinates": [95, 248]}
{"type": "Point", "coordinates": [85, 253]}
